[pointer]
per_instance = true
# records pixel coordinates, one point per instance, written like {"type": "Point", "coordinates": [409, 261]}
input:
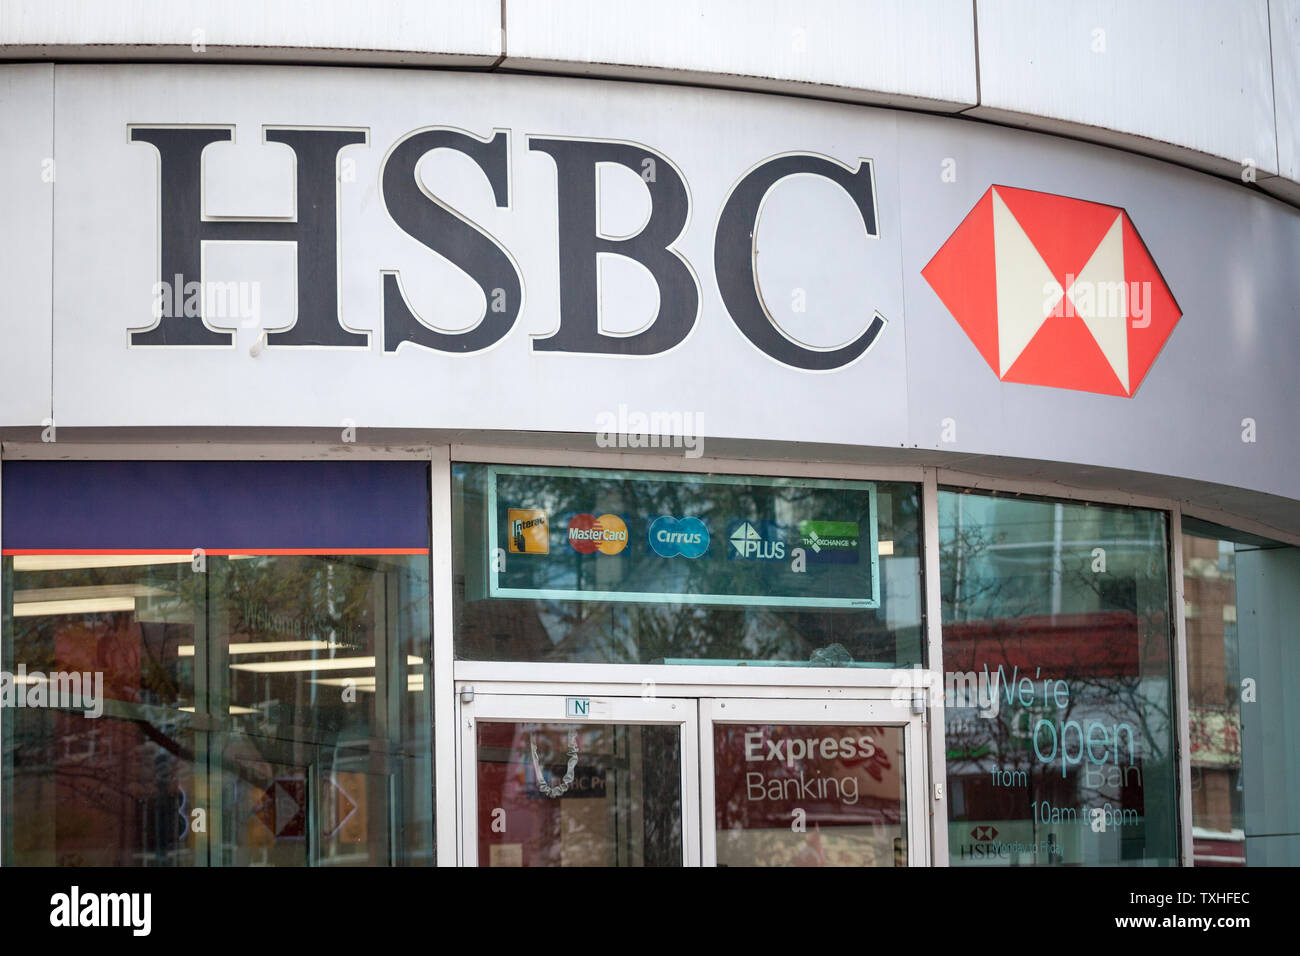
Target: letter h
{"type": "Point", "coordinates": [314, 230]}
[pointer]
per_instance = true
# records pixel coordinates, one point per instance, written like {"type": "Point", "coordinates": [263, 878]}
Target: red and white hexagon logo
{"type": "Point", "coordinates": [1055, 291]}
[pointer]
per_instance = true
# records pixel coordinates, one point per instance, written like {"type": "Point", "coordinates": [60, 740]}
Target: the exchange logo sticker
{"type": "Point", "coordinates": [669, 536]}
{"type": "Point", "coordinates": [529, 529]}
{"type": "Point", "coordinates": [589, 534]}
{"type": "Point", "coordinates": [829, 542]}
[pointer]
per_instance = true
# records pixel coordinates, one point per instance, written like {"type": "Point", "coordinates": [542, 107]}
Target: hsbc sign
{"type": "Point", "coordinates": [1052, 290]}
{"type": "Point", "coordinates": [1055, 291]}
{"type": "Point", "coordinates": [314, 232]}
{"type": "Point", "coordinates": [421, 251]}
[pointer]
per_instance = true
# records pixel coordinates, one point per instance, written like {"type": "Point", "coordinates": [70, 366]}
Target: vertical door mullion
{"type": "Point", "coordinates": [708, 790]}
{"type": "Point", "coordinates": [935, 740]}
{"type": "Point", "coordinates": [692, 802]}
{"type": "Point", "coordinates": [468, 816]}
{"type": "Point", "coordinates": [918, 823]}
{"type": "Point", "coordinates": [448, 850]}
{"type": "Point", "coordinates": [1181, 690]}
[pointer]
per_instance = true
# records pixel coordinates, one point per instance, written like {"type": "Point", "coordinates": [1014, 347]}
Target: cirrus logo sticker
{"type": "Point", "coordinates": [669, 536]}
{"type": "Point", "coordinates": [589, 534]}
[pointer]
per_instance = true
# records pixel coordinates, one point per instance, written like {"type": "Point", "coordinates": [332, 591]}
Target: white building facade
{"type": "Point", "coordinates": [571, 434]}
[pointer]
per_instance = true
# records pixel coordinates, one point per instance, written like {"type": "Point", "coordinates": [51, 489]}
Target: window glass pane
{"type": "Point", "coordinates": [802, 795]}
{"type": "Point", "coordinates": [99, 756]}
{"type": "Point", "coordinates": [329, 703]}
{"type": "Point", "coordinates": [579, 794]}
{"type": "Point", "coordinates": [1210, 609]}
{"type": "Point", "coordinates": [649, 567]}
{"type": "Point", "coordinates": [1059, 699]}
{"type": "Point", "coordinates": [261, 708]}
{"type": "Point", "coordinates": [1242, 598]}
{"type": "Point", "coordinates": [1268, 607]}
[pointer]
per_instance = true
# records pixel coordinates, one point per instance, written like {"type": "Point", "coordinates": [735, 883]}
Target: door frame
{"type": "Point", "coordinates": [551, 708]}
{"type": "Point", "coordinates": [883, 697]}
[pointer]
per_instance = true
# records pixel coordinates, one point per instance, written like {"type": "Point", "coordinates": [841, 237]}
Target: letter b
{"type": "Point", "coordinates": [577, 162]}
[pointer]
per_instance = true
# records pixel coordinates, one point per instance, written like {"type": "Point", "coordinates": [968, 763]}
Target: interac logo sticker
{"type": "Point", "coordinates": [1055, 291]}
{"type": "Point", "coordinates": [529, 531]}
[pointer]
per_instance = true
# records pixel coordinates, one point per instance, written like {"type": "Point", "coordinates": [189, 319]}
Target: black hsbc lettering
{"type": "Point", "coordinates": [735, 267]}
{"type": "Point", "coordinates": [466, 246]}
{"type": "Point", "coordinates": [314, 233]}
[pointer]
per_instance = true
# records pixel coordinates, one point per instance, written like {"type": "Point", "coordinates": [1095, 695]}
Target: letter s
{"type": "Point", "coordinates": [422, 216]}
{"type": "Point", "coordinates": [581, 244]}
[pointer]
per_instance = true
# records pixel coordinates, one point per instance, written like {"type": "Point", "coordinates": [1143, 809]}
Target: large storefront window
{"type": "Point", "coordinates": [1060, 727]}
{"type": "Point", "coordinates": [214, 663]}
{"type": "Point", "coordinates": [1241, 601]}
{"type": "Point", "coordinates": [563, 564]}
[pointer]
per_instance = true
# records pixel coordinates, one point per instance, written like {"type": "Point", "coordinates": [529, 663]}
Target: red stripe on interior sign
{"type": "Point", "coordinates": [220, 552]}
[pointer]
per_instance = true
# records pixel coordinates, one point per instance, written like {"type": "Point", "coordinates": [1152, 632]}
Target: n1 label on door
{"type": "Point", "coordinates": [582, 707]}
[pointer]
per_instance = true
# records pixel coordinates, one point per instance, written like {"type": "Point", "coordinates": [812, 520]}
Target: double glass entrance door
{"type": "Point", "coordinates": [631, 781]}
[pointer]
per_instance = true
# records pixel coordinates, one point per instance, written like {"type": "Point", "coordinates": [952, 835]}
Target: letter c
{"type": "Point", "coordinates": [735, 266]}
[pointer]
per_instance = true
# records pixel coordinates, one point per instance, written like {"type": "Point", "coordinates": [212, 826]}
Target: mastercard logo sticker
{"type": "Point", "coordinates": [589, 534]}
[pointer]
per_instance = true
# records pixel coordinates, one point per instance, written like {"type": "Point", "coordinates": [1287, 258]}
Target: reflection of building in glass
{"type": "Point", "coordinates": [1242, 595]}
{"type": "Point", "coordinates": [1209, 573]}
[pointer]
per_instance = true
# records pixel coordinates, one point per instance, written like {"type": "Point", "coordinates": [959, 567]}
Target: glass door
{"type": "Point", "coordinates": [579, 781]}
{"type": "Point", "coordinates": [811, 783]}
